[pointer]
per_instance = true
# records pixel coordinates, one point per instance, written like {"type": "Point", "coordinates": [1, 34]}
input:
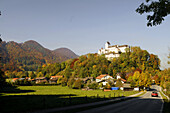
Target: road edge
{"type": "Point", "coordinates": [58, 110]}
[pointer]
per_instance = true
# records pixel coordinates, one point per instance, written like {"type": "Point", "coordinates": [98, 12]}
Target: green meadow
{"type": "Point", "coordinates": [31, 98]}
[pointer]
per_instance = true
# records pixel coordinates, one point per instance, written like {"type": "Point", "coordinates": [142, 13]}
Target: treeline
{"type": "Point", "coordinates": [164, 80]}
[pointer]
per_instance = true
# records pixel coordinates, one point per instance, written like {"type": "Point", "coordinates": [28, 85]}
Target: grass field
{"type": "Point", "coordinates": [30, 98]}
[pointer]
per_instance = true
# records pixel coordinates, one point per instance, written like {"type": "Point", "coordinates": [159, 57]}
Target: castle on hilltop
{"type": "Point", "coordinates": [112, 51]}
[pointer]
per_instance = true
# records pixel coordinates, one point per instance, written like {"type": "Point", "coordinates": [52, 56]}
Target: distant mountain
{"type": "Point", "coordinates": [65, 52]}
{"type": "Point", "coordinates": [29, 55]}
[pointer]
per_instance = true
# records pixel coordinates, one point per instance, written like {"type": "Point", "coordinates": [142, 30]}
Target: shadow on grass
{"type": "Point", "coordinates": [31, 103]}
{"type": "Point", "coordinates": [22, 103]}
{"type": "Point", "coordinates": [14, 89]}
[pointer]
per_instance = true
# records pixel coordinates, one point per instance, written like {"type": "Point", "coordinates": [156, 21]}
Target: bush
{"type": "Point", "coordinates": [77, 84]}
{"type": "Point", "coordinates": [23, 83]}
{"type": "Point", "coordinates": [93, 85]}
{"type": "Point", "coordinates": [107, 86]}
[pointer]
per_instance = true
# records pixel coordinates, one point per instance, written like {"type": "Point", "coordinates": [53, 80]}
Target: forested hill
{"type": "Point", "coordinates": [29, 55]}
{"type": "Point", "coordinates": [93, 65]}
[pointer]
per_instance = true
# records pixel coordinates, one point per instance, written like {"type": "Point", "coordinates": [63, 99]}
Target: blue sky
{"type": "Point", "coordinates": [82, 25]}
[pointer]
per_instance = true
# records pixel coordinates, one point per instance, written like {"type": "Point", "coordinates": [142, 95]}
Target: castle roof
{"type": "Point", "coordinates": [108, 42]}
{"type": "Point", "coordinates": [118, 46]}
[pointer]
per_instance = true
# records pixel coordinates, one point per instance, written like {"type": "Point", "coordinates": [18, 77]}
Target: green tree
{"type": "Point", "coordinates": [67, 73]}
{"type": "Point", "coordinates": [70, 82]}
{"type": "Point", "coordinates": [159, 10]}
{"type": "Point", "coordinates": [40, 74]}
{"type": "Point", "coordinates": [132, 84]}
{"type": "Point", "coordinates": [32, 75]}
{"type": "Point", "coordinates": [93, 85]}
{"type": "Point", "coordinates": [62, 65]}
{"type": "Point", "coordinates": [64, 81]}
{"type": "Point", "coordinates": [59, 80]}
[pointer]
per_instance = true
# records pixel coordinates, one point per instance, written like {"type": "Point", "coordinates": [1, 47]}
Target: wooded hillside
{"type": "Point", "coordinates": [29, 55]}
{"type": "Point", "coordinates": [92, 65]}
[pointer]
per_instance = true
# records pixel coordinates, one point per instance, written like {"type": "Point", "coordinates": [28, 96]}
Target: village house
{"type": "Point", "coordinates": [84, 79]}
{"type": "Point", "coordinates": [28, 78]}
{"type": "Point", "coordinates": [114, 51]}
{"type": "Point", "coordinates": [118, 76]}
{"type": "Point", "coordinates": [14, 79]}
{"type": "Point", "coordinates": [53, 79]}
{"type": "Point", "coordinates": [56, 77]}
{"type": "Point", "coordinates": [18, 79]}
{"type": "Point", "coordinates": [40, 80]}
{"type": "Point", "coordinates": [126, 86]}
{"type": "Point", "coordinates": [103, 79]}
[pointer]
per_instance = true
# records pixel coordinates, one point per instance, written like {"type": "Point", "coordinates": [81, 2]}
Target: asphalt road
{"type": "Point", "coordinates": [143, 104]}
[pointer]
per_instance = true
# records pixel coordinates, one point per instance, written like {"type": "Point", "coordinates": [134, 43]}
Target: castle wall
{"type": "Point", "coordinates": [112, 51]}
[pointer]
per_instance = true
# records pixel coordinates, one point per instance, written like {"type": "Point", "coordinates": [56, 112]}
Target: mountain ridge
{"type": "Point", "coordinates": [30, 53]}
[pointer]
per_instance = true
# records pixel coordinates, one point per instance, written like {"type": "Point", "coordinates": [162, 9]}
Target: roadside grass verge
{"type": "Point", "coordinates": [31, 98]}
{"type": "Point", "coordinates": [141, 94]}
{"type": "Point", "coordinates": [100, 105]}
{"type": "Point", "coordinates": [166, 108]}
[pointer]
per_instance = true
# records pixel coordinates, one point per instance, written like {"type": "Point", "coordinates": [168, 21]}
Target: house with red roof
{"type": "Point", "coordinates": [56, 77]}
{"type": "Point", "coordinates": [53, 79]}
{"type": "Point", "coordinates": [103, 78]}
{"type": "Point", "coordinates": [40, 80]}
{"type": "Point", "coordinates": [14, 79]}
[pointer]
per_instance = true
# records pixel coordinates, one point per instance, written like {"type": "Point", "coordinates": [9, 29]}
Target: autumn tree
{"type": "Point", "coordinates": [156, 79]}
{"type": "Point", "coordinates": [118, 83]}
{"type": "Point", "coordinates": [77, 84]}
{"type": "Point", "coordinates": [165, 78]}
{"type": "Point", "coordinates": [2, 75]}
